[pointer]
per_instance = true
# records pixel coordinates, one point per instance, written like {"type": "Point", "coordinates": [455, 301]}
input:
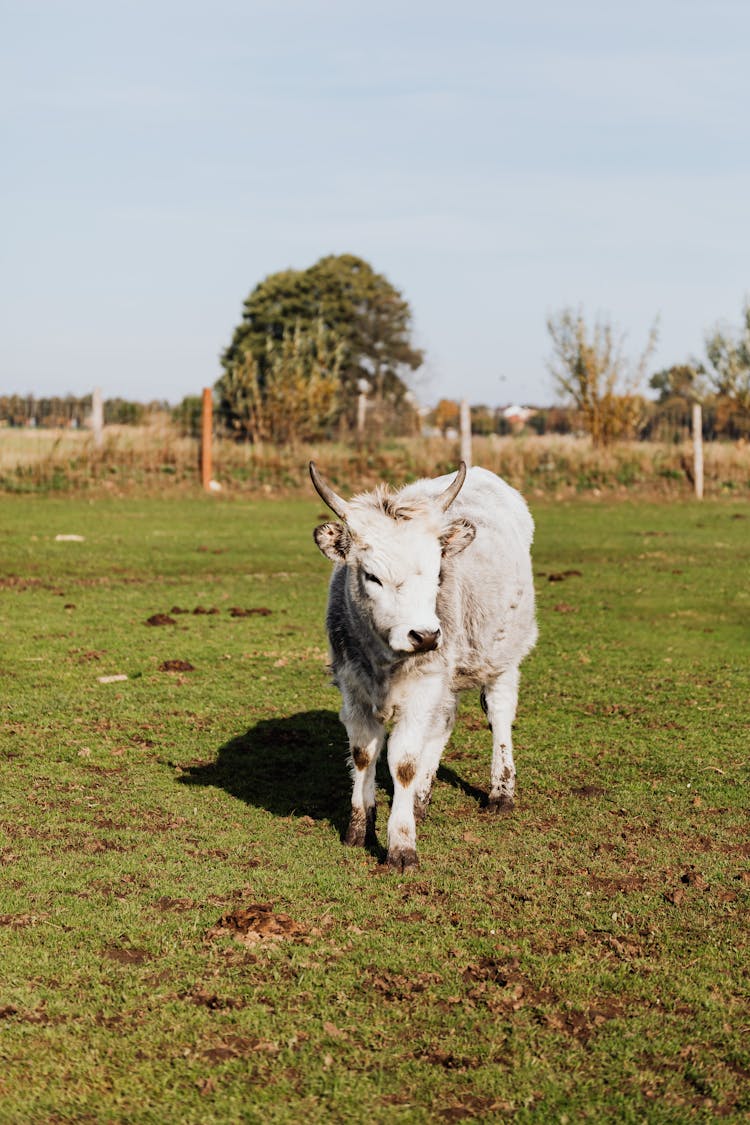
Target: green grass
{"type": "Point", "coordinates": [585, 959]}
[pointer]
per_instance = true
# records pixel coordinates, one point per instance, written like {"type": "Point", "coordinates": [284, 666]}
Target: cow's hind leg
{"type": "Point", "coordinates": [365, 743]}
{"type": "Point", "coordinates": [499, 700]}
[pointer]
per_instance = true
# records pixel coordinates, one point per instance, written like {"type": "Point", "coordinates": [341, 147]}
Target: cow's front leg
{"type": "Point", "coordinates": [499, 701]}
{"type": "Point", "coordinates": [413, 732]}
{"type": "Point", "coordinates": [365, 743]}
{"type": "Point", "coordinates": [430, 760]}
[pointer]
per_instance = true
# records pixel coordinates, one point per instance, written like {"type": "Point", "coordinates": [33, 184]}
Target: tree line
{"type": "Point", "coordinates": [71, 411]}
{"type": "Point", "coordinates": [601, 383]}
{"type": "Point", "coordinates": [312, 342]}
{"type": "Point", "coordinates": [327, 352]}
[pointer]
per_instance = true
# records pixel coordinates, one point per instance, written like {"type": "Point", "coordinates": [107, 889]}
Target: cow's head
{"type": "Point", "coordinates": [393, 550]}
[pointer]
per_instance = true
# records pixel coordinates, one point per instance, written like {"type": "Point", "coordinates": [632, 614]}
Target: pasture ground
{"type": "Point", "coordinates": [184, 936]}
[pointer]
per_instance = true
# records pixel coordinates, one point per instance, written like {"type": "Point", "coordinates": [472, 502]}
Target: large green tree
{"type": "Point", "coordinates": [360, 308]}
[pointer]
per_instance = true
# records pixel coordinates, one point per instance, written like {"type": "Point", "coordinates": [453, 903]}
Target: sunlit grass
{"type": "Point", "coordinates": [584, 958]}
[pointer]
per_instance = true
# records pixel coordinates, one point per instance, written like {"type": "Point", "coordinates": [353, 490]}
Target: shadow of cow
{"type": "Point", "coordinates": [297, 765]}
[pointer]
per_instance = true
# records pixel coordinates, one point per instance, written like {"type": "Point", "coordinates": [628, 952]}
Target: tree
{"type": "Point", "coordinates": [593, 372]}
{"type": "Point", "coordinates": [360, 308]}
{"type": "Point", "coordinates": [298, 395]}
{"type": "Point", "coordinates": [239, 398]}
{"type": "Point", "coordinates": [679, 387]}
{"type": "Point", "coordinates": [446, 415]}
{"type": "Point", "coordinates": [303, 378]}
{"type": "Point", "coordinates": [729, 355]}
{"type": "Point", "coordinates": [482, 420]}
{"type": "Point", "coordinates": [187, 416]}
{"type": "Point", "coordinates": [684, 382]}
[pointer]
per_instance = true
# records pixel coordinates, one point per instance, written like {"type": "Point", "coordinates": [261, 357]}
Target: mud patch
{"type": "Point", "coordinates": [126, 954]}
{"type": "Point", "coordinates": [202, 998]}
{"type": "Point", "coordinates": [238, 1047]}
{"type": "Point", "coordinates": [395, 986]}
{"type": "Point", "coordinates": [581, 1025]}
{"type": "Point", "coordinates": [502, 986]}
{"type": "Point", "coordinates": [623, 884]}
{"type": "Point", "coordinates": [474, 1107]}
{"type": "Point", "coordinates": [257, 923]}
{"type": "Point", "coordinates": [16, 582]}
{"type": "Point", "coordinates": [160, 619]}
{"type": "Point", "coordinates": [176, 666]}
{"type": "Point", "coordinates": [169, 905]}
{"type": "Point", "coordinates": [256, 611]}
{"type": "Point", "coordinates": [87, 657]}
{"type": "Point", "coordinates": [20, 921]}
{"type": "Point", "coordinates": [448, 1061]}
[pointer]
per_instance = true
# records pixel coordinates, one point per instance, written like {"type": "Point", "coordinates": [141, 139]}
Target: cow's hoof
{"type": "Point", "coordinates": [500, 806]}
{"type": "Point", "coordinates": [361, 830]}
{"type": "Point", "coordinates": [371, 838]}
{"type": "Point", "coordinates": [402, 859]}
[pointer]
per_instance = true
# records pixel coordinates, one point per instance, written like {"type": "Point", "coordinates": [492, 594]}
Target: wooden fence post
{"type": "Point", "coordinates": [97, 417]}
{"type": "Point", "coordinates": [465, 433]}
{"type": "Point", "coordinates": [698, 449]}
{"type": "Point", "coordinates": [206, 431]}
{"type": "Point", "coordinates": [361, 414]}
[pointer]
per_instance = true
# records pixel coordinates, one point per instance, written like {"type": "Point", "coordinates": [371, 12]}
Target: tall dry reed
{"type": "Point", "coordinates": [155, 457]}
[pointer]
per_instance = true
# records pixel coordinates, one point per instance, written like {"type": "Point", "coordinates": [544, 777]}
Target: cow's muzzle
{"type": "Point", "coordinates": [424, 641]}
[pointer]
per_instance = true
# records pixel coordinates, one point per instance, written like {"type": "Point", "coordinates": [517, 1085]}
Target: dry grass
{"type": "Point", "coordinates": [148, 457]}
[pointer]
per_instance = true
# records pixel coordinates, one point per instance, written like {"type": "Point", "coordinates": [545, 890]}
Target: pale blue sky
{"type": "Point", "coordinates": [497, 161]}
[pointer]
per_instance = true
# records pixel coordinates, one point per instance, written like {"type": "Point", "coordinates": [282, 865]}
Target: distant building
{"type": "Point", "coordinates": [518, 416]}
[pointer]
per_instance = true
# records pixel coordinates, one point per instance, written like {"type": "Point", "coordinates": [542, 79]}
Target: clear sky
{"type": "Point", "coordinates": [496, 160]}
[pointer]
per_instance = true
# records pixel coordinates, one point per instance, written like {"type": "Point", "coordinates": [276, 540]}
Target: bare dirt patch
{"type": "Point", "coordinates": [176, 666]}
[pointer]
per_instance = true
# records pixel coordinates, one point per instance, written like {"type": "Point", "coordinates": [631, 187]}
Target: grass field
{"type": "Point", "coordinates": [185, 939]}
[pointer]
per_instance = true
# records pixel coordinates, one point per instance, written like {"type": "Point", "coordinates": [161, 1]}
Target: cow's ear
{"type": "Point", "coordinates": [333, 540]}
{"type": "Point", "coordinates": [457, 537]}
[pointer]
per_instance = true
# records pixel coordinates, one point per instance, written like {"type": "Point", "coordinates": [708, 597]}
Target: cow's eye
{"type": "Point", "coordinates": [374, 579]}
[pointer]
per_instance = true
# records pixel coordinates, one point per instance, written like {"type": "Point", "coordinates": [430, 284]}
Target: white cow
{"type": "Point", "coordinates": [432, 593]}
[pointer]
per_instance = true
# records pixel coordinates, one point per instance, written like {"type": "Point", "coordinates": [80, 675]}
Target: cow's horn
{"type": "Point", "coordinates": [445, 499]}
{"type": "Point", "coordinates": [326, 493]}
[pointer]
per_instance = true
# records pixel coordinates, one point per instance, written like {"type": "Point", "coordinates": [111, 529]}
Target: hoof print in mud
{"type": "Point", "coordinates": [405, 859]}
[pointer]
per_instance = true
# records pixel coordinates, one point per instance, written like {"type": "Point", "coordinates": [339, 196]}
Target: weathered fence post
{"type": "Point", "coordinates": [364, 387]}
{"type": "Point", "coordinates": [206, 432]}
{"type": "Point", "coordinates": [97, 417]}
{"type": "Point", "coordinates": [698, 449]}
{"type": "Point", "coordinates": [465, 433]}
